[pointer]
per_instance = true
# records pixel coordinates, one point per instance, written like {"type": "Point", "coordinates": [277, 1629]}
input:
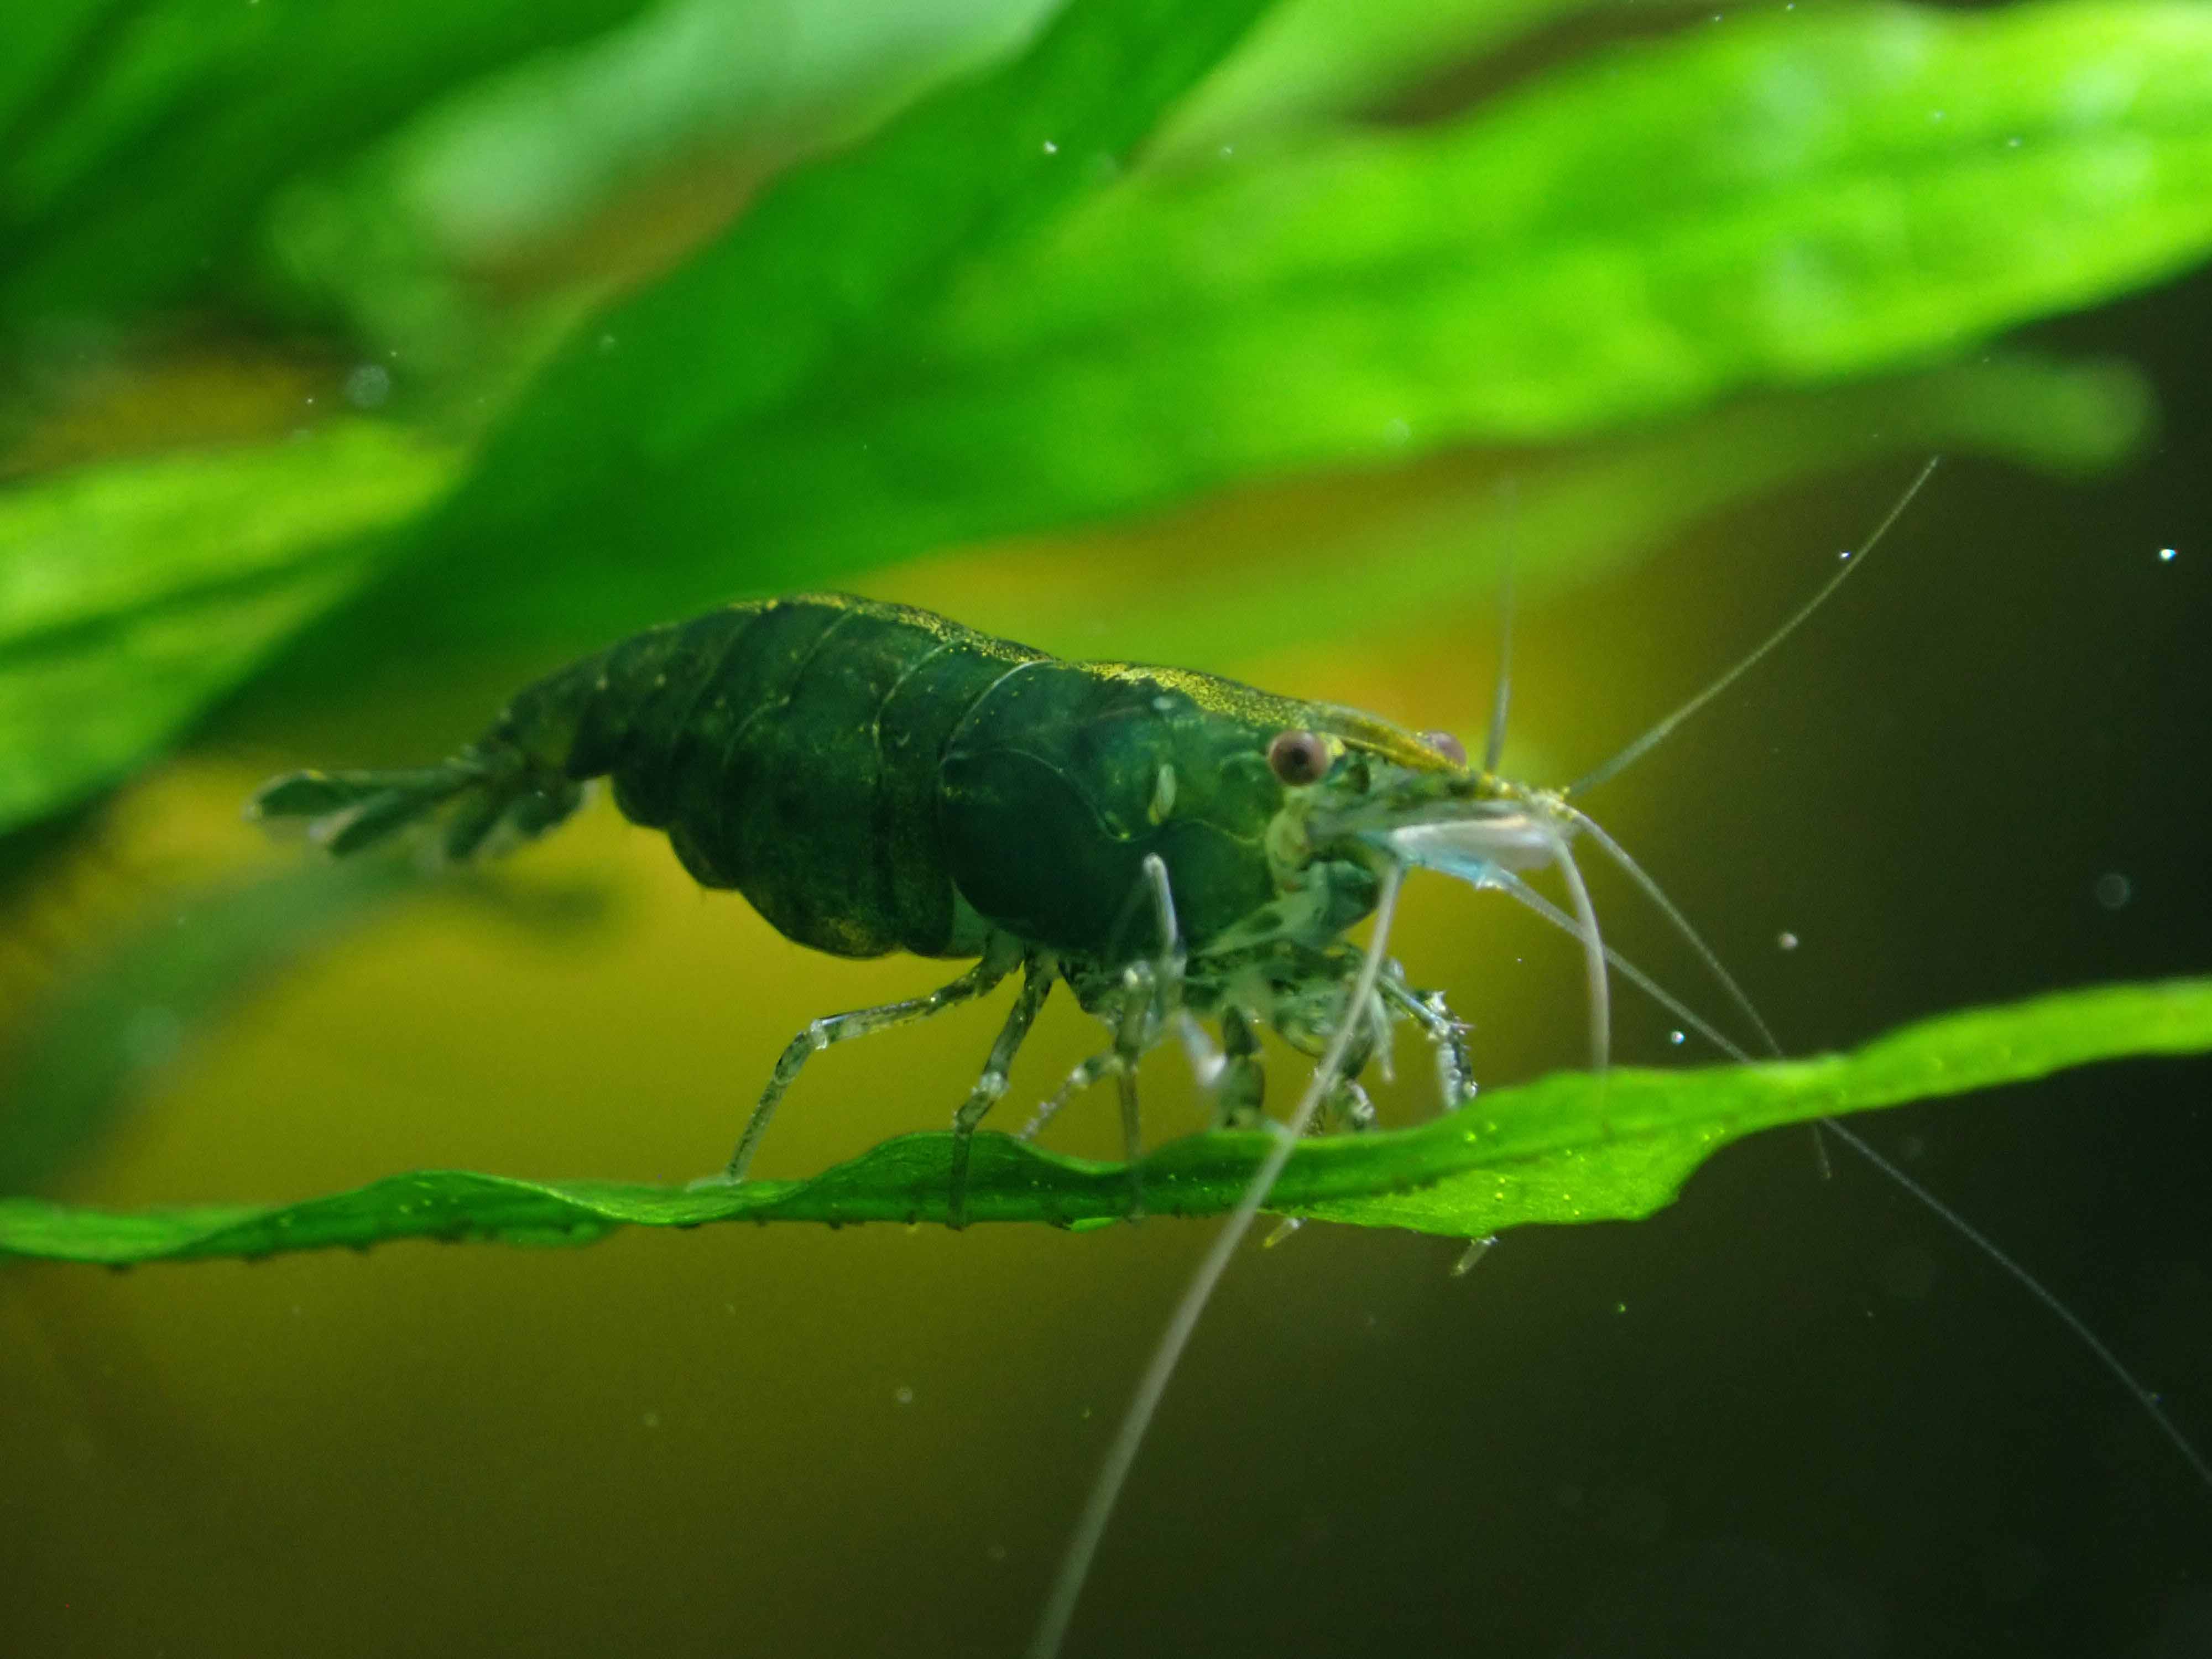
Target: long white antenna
{"type": "Point", "coordinates": [1665, 729]}
{"type": "Point", "coordinates": [1098, 1509]}
{"type": "Point", "coordinates": [1680, 923]}
{"type": "Point", "coordinates": [1501, 691]}
{"type": "Point", "coordinates": [2036, 1288]}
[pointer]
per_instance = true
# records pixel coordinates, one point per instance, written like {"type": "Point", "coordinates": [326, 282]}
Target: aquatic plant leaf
{"type": "Point", "coordinates": [1838, 193]}
{"type": "Point", "coordinates": [522, 169]}
{"type": "Point", "coordinates": [667, 386]}
{"type": "Point", "coordinates": [1312, 62]}
{"type": "Point", "coordinates": [139, 141]}
{"type": "Point", "coordinates": [1786, 200]}
{"type": "Point", "coordinates": [134, 595]}
{"type": "Point", "coordinates": [1189, 591]}
{"type": "Point", "coordinates": [1566, 1148]}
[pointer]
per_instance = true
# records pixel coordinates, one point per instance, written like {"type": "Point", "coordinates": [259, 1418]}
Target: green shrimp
{"type": "Point", "coordinates": [1173, 847]}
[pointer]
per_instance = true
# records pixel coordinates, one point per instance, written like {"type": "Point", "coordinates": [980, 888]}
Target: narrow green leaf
{"type": "Point", "coordinates": [1313, 61]}
{"type": "Point", "coordinates": [525, 163]}
{"type": "Point", "coordinates": [169, 123]}
{"type": "Point", "coordinates": [44, 43]}
{"type": "Point", "coordinates": [1777, 201]}
{"type": "Point", "coordinates": [662, 387]}
{"type": "Point", "coordinates": [1572, 518]}
{"type": "Point", "coordinates": [1569, 1148]}
{"type": "Point", "coordinates": [134, 595]}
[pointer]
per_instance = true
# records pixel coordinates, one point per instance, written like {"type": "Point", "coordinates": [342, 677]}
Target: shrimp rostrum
{"type": "Point", "coordinates": [1174, 847]}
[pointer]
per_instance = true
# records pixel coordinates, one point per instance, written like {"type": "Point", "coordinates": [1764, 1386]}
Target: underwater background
{"type": "Point", "coordinates": [364, 364]}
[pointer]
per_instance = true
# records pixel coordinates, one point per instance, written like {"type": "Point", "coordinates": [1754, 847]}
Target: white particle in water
{"type": "Point", "coordinates": [903, 1394]}
{"type": "Point", "coordinates": [1786, 940]}
{"type": "Point", "coordinates": [1677, 1038]}
{"type": "Point", "coordinates": [2113, 889]}
{"type": "Point", "coordinates": [1051, 149]}
{"type": "Point", "coordinates": [2165, 555]}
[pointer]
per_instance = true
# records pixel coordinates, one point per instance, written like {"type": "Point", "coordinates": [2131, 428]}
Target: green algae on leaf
{"type": "Point", "coordinates": [1569, 1148]}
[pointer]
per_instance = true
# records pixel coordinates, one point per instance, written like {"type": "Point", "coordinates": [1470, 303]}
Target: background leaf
{"type": "Point", "coordinates": [1517, 276]}
{"type": "Point", "coordinates": [163, 127]}
{"type": "Point", "coordinates": [134, 595]}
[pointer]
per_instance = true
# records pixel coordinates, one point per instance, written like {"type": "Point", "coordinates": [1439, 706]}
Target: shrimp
{"type": "Point", "coordinates": [1170, 845]}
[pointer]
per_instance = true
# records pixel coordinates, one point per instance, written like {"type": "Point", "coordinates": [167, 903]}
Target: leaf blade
{"type": "Point", "coordinates": [135, 594]}
{"type": "Point", "coordinates": [1441, 1178]}
{"type": "Point", "coordinates": [1527, 275]}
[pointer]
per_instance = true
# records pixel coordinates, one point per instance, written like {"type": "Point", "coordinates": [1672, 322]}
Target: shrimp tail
{"type": "Point", "coordinates": [477, 794]}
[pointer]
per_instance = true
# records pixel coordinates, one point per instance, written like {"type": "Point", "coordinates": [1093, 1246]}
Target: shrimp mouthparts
{"type": "Point", "coordinates": [1476, 842]}
{"type": "Point", "coordinates": [1486, 840]}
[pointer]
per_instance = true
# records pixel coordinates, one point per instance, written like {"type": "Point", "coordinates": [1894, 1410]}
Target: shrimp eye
{"type": "Point", "coordinates": [1299, 758]}
{"type": "Point", "coordinates": [1447, 745]}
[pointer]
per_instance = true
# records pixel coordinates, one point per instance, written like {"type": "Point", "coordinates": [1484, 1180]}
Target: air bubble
{"type": "Point", "coordinates": [369, 386]}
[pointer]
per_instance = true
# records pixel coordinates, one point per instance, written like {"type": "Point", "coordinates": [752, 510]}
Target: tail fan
{"type": "Point", "coordinates": [348, 811]}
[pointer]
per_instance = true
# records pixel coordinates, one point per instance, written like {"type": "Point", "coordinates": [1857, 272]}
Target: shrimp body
{"type": "Point", "coordinates": [790, 749]}
{"type": "Point", "coordinates": [875, 778]}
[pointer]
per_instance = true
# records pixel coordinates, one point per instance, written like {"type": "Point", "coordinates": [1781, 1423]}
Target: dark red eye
{"type": "Point", "coordinates": [1447, 745]}
{"type": "Point", "coordinates": [1299, 758]}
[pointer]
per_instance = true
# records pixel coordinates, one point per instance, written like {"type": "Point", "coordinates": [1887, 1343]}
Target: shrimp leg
{"type": "Point", "coordinates": [1243, 1089]}
{"type": "Point", "coordinates": [1037, 974]}
{"type": "Point", "coordinates": [997, 961]}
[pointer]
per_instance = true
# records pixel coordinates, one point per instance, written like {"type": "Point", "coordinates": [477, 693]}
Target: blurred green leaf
{"type": "Point", "coordinates": [657, 394]}
{"type": "Point", "coordinates": [45, 44]}
{"type": "Point", "coordinates": [1572, 518]}
{"type": "Point", "coordinates": [161, 127]}
{"type": "Point", "coordinates": [519, 165]}
{"type": "Point", "coordinates": [1568, 1148]}
{"type": "Point", "coordinates": [133, 595]}
{"type": "Point", "coordinates": [1313, 61]}
{"type": "Point", "coordinates": [1783, 200]}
